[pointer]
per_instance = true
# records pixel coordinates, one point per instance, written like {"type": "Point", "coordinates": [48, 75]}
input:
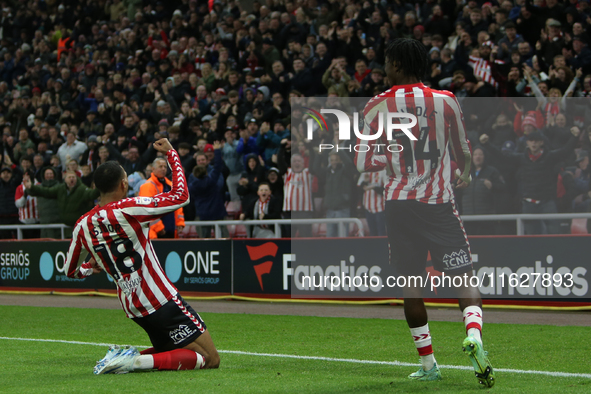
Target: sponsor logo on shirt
{"type": "Point", "coordinates": [144, 200]}
{"type": "Point", "coordinates": [129, 285]}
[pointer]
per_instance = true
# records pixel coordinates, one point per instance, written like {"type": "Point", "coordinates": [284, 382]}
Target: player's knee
{"type": "Point", "coordinates": [213, 361]}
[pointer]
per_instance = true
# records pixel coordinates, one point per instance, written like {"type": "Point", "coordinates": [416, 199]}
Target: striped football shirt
{"type": "Point", "coordinates": [298, 191]}
{"type": "Point", "coordinates": [116, 235]}
{"type": "Point", "coordinates": [28, 211]}
{"type": "Point", "coordinates": [422, 170]}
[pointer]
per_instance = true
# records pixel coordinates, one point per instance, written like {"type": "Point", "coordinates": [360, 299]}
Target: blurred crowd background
{"type": "Point", "coordinates": [84, 82]}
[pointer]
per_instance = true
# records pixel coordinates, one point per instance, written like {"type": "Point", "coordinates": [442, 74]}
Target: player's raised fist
{"type": "Point", "coordinates": [162, 145]}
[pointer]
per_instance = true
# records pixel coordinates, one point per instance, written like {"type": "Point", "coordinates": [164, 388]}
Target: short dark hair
{"type": "Point", "coordinates": [199, 172]}
{"type": "Point", "coordinates": [411, 56]}
{"type": "Point", "coordinates": [107, 176]}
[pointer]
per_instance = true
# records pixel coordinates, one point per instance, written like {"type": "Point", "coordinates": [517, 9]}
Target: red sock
{"type": "Point", "coordinates": [177, 359]}
{"type": "Point", "coordinates": [149, 350]}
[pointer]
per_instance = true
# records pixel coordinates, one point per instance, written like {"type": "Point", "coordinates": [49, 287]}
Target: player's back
{"type": "Point", "coordinates": [119, 243]}
{"type": "Point", "coordinates": [418, 168]}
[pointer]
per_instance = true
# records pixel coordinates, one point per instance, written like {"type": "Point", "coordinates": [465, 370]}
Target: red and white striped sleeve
{"type": "Point", "coordinates": [459, 139]}
{"type": "Point", "coordinates": [75, 266]}
{"type": "Point", "coordinates": [146, 209]}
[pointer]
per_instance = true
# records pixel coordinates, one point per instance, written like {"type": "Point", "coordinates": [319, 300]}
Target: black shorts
{"type": "Point", "coordinates": [172, 326]}
{"type": "Point", "coordinates": [415, 229]}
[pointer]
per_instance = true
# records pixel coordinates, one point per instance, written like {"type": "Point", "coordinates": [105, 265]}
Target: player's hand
{"type": "Point", "coordinates": [484, 139]}
{"type": "Point", "coordinates": [461, 184]}
{"type": "Point", "coordinates": [96, 269]}
{"type": "Point", "coordinates": [162, 145]}
{"type": "Point", "coordinates": [463, 180]}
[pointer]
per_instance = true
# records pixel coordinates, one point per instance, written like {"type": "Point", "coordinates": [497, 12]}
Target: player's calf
{"type": "Point", "coordinates": [124, 360]}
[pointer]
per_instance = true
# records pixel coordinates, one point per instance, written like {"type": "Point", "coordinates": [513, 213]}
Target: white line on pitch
{"type": "Point", "coordinates": [342, 360]}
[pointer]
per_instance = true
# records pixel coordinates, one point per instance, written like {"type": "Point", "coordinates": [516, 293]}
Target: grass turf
{"type": "Point", "coordinates": [45, 367]}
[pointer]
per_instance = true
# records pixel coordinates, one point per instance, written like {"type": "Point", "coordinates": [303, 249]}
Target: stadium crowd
{"type": "Point", "coordinates": [85, 82]}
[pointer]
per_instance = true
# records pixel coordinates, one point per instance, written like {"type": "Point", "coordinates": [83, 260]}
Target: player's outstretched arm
{"type": "Point", "coordinates": [146, 209]}
{"type": "Point", "coordinates": [460, 144]}
{"type": "Point", "coordinates": [74, 266]}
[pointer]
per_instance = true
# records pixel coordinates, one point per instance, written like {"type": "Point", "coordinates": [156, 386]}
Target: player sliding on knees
{"type": "Point", "coordinates": [420, 212]}
{"type": "Point", "coordinates": [115, 233]}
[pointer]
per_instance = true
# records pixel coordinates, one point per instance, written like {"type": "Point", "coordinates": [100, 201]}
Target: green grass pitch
{"type": "Point", "coordinates": [49, 367]}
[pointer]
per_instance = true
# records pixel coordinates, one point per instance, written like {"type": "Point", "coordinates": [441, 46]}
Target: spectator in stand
{"type": "Point", "coordinates": [90, 156]}
{"type": "Point", "coordinates": [250, 179]}
{"type": "Point", "coordinates": [10, 178]}
{"type": "Point", "coordinates": [479, 198]}
{"type": "Point", "coordinates": [73, 198]}
{"type": "Point", "coordinates": [247, 143]}
{"type": "Point", "coordinates": [538, 177]}
{"type": "Point", "coordinates": [90, 127]}
{"type": "Point", "coordinates": [275, 183]}
{"type": "Point", "coordinates": [27, 206]}
{"type": "Point", "coordinates": [337, 178]}
{"type": "Point", "coordinates": [133, 162]}
{"type": "Point", "coordinates": [48, 209]}
{"type": "Point", "coordinates": [269, 140]}
{"type": "Point", "coordinates": [509, 43]}
{"type": "Point", "coordinates": [266, 206]}
{"type": "Point", "coordinates": [186, 157]}
{"type": "Point", "coordinates": [335, 77]}
{"type": "Point", "coordinates": [373, 202]}
{"type": "Point", "coordinates": [374, 83]}
{"type": "Point", "coordinates": [170, 225]}
{"type": "Point", "coordinates": [23, 145]}
{"type": "Point", "coordinates": [361, 70]}
{"type": "Point", "coordinates": [577, 182]}
{"type": "Point", "coordinates": [72, 149]}
{"type": "Point", "coordinates": [233, 161]}
{"type": "Point", "coordinates": [301, 78]}
{"type": "Point", "coordinates": [206, 192]}
{"type": "Point", "coordinates": [297, 194]}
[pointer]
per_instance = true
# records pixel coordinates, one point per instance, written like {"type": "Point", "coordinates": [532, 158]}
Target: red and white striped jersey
{"type": "Point", "coordinates": [27, 206]}
{"type": "Point", "coordinates": [116, 235]}
{"type": "Point", "coordinates": [482, 69]}
{"type": "Point", "coordinates": [422, 170]}
{"type": "Point", "coordinates": [373, 201]}
{"type": "Point", "coordinates": [297, 191]}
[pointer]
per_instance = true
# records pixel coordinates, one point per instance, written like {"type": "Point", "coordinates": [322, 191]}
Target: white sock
{"type": "Point", "coordinates": [422, 339]}
{"type": "Point", "coordinates": [473, 321]}
{"type": "Point", "coordinates": [145, 361]}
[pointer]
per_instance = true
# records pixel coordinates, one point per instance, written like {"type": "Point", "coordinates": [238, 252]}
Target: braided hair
{"type": "Point", "coordinates": [411, 56]}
